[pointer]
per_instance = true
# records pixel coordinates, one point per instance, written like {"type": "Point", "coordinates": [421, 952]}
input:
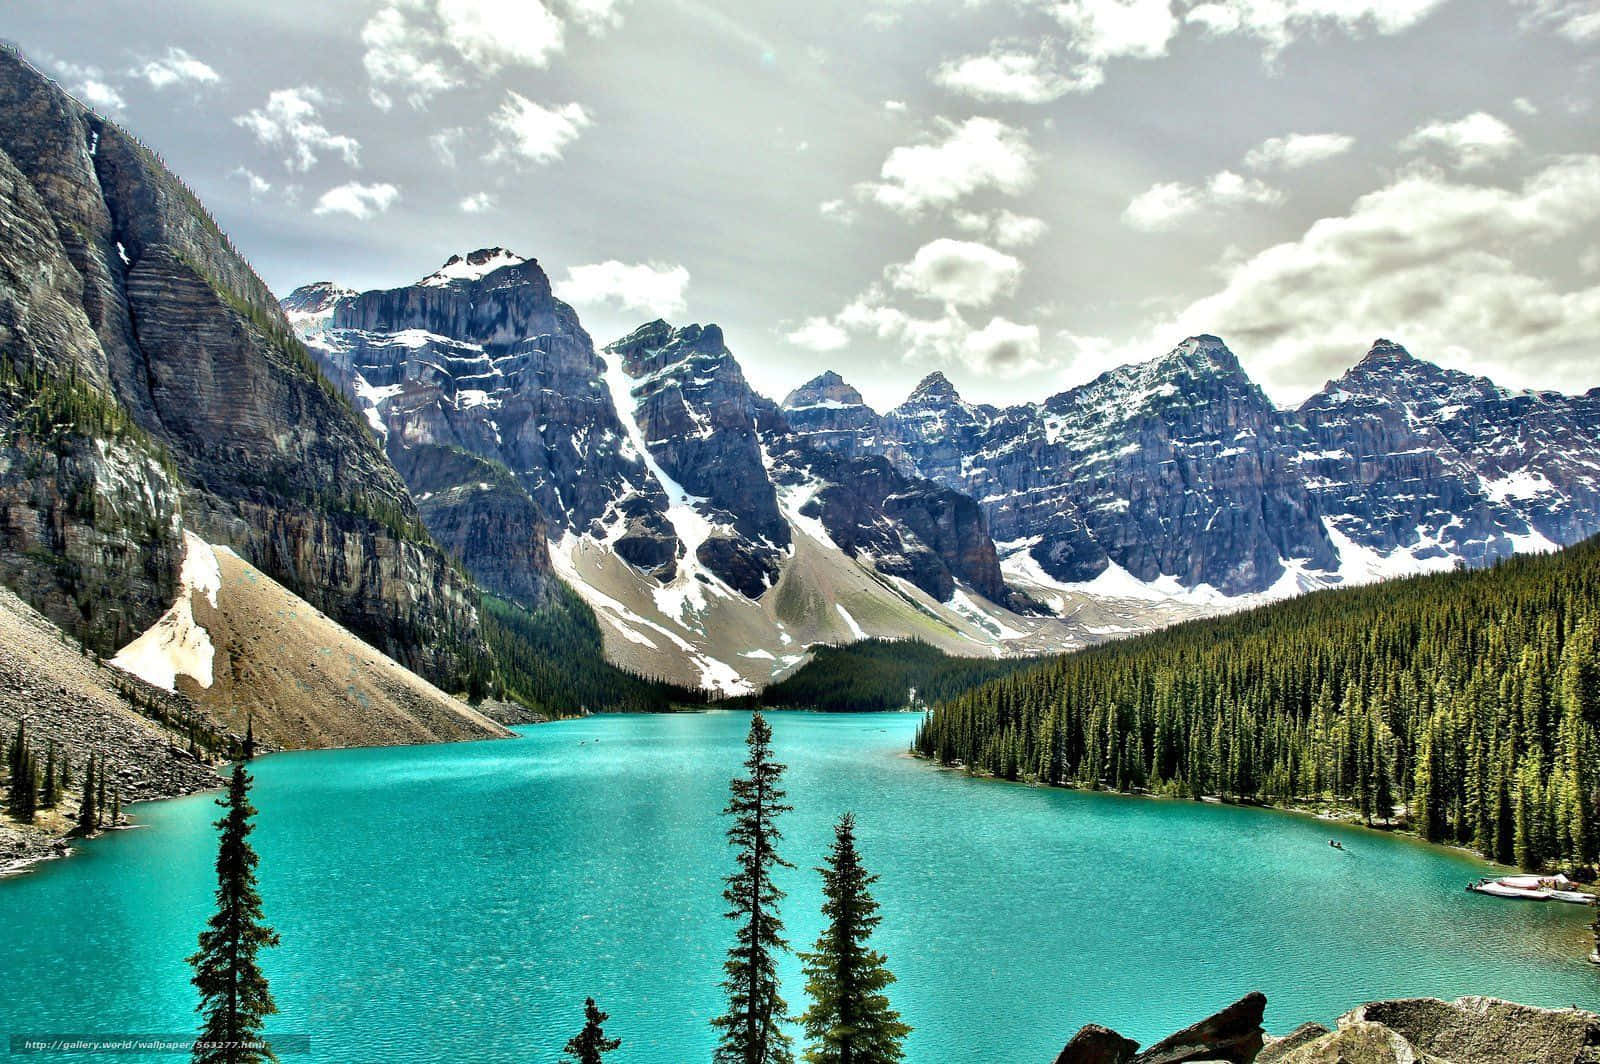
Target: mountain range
{"type": "Point", "coordinates": [717, 533]}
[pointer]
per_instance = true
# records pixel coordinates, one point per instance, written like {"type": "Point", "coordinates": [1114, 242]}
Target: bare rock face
{"type": "Point", "coordinates": [1443, 464]}
{"type": "Point", "coordinates": [1235, 1034]}
{"type": "Point", "coordinates": [1276, 1049]}
{"type": "Point", "coordinates": [1364, 1043]}
{"type": "Point", "coordinates": [1478, 1030]}
{"type": "Point", "coordinates": [1094, 1044]}
{"type": "Point", "coordinates": [129, 313]}
{"type": "Point", "coordinates": [699, 418]}
{"type": "Point", "coordinates": [829, 415]}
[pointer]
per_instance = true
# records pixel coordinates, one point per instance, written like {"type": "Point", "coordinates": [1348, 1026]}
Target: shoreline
{"type": "Point", "coordinates": [1353, 822]}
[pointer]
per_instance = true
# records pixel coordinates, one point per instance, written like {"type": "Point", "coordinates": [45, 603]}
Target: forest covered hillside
{"type": "Point", "coordinates": [1466, 703]}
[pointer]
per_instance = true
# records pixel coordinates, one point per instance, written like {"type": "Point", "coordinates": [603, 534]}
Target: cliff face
{"type": "Point", "coordinates": [698, 418]}
{"type": "Point", "coordinates": [126, 304]}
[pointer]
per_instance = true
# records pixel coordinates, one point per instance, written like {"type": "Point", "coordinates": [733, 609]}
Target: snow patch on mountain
{"type": "Point", "coordinates": [177, 645]}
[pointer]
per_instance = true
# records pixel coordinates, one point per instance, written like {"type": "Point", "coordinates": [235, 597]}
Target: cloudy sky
{"type": "Point", "coordinates": [1021, 193]}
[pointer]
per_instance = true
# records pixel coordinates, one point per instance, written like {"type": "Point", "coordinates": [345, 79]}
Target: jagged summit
{"type": "Point", "coordinates": [1387, 351]}
{"type": "Point", "coordinates": [661, 334]}
{"type": "Point", "coordinates": [827, 389]}
{"type": "Point", "coordinates": [1203, 352]}
{"type": "Point", "coordinates": [472, 266]}
{"type": "Point", "coordinates": [315, 300]}
{"type": "Point", "coordinates": [934, 390]}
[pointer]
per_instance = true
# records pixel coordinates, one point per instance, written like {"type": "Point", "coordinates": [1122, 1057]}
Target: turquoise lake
{"type": "Point", "coordinates": [456, 903]}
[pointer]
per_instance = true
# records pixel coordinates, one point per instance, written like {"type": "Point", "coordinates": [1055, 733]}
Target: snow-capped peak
{"type": "Point", "coordinates": [472, 266]}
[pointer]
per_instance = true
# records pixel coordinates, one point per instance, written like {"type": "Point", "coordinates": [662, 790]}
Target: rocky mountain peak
{"type": "Point", "coordinates": [935, 388]}
{"type": "Point", "coordinates": [473, 266]}
{"type": "Point", "coordinates": [1386, 352]}
{"type": "Point", "coordinates": [1203, 355]}
{"type": "Point", "coordinates": [828, 390]}
{"type": "Point", "coordinates": [315, 303]}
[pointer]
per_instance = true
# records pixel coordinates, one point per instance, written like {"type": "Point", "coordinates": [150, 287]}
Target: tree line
{"type": "Point", "coordinates": [35, 784]}
{"type": "Point", "coordinates": [1466, 703]}
{"type": "Point", "coordinates": [849, 1019]}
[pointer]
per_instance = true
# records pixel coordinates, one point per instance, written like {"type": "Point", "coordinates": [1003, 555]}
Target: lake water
{"type": "Point", "coordinates": [456, 903]}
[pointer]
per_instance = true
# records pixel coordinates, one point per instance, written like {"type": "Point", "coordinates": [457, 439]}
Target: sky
{"type": "Point", "coordinates": [1019, 193]}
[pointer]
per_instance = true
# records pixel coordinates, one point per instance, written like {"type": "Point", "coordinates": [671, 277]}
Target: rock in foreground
{"type": "Point", "coordinates": [1470, 1030]}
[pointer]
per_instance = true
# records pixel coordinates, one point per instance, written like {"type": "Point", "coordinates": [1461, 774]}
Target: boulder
{"type": "Point", "coordinates": [1362, 1043]}
{"type": "Point", "coordinates": [1235, 1034]}
{"type": "Point", "coordinates": [1480, 1030]}
{"type": "Point", "coordinates": [1277, 1049]}
{"type": "Point", "coordinates": [1094, 1044]}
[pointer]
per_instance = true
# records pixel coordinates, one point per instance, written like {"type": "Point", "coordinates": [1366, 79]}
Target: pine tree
{"type": "Point", "coordinates": [751, 1029]}
{"type": "Point", "coordinates": [22, 802]}
{"type": "Point", "coordinates": [86, 813]}
{"type": "Point", "coordinates": [849, 1021]}
{"type": "Point", "coordinates": [234, 998]}
{"type": "Point", "coordinates": [50, 791]}
{"type": "Point", "coordinates": [590, 1045]}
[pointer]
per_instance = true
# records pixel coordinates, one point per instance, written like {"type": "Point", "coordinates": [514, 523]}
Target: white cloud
{"type": "Point", "coordinates": [90, 85]}
{"type": "Point", "coordinates": [1278, 23]}
{"type": "Point", "coordinates": [1102, 30]}
{"type": "Point", "coordinates": [290, 120]}
{"type": "Point", "coordinates": [397, 52]}
{"type": "Point", "coordinates": [650, 288]}
{"type": "Point", "coordinates": [1577, 20]}
{"type": "Point", "coordinates": [1297, 150]}
{"type": "Point", "coordinates": [1228, 189]}
{"type": "Point", "coordinates": [100, 94]}
{"type": "Point", "coordinates": [357, 200]}
{"type": "Point", "coordinates": [1002, 346]}
{"type": "Point", "coordinates": [477, 203]}
{"type": "Point", "coordinates": [259, 186]}
{"type": "Point", "coordinates": [426, 47]}
{"type": "Point", "coordinates": [976, 155]}
{"type": "Point", "coordinates": [818, 334]}
{"type": "Point", "coordinates": [1003, 227]}
{"type": "Point", "coordinates": [1477, 140]}
{"type": "Point", "coordinates": [1167, 205]}
{"type": "Point", "coordinates": [957, 272]}
{"type": "Point", "coordinates": [838, 210]}
{"type": "Point", "coordinates": [1162, 206]}
{"type": "Point", "coordinates": [177, 67]}
{"type": "Point", "coordinates": [1441, 264]}
{"type": "Point", "coordinates": [490, 34]}
{"type": "Point", "coordinates": [444, 143]}
{"type": "Point", "coordinates": [895, 106]}
{"type": "Point", "coordinates": [534, 132]}
{"type": "Point", "coordinates": [1014, 74]}
{"type": "Point", "coordinates": [1525, 106]}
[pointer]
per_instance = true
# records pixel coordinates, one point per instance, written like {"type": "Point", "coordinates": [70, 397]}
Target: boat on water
{"type": "Point", "coordinates": [1532, 888]}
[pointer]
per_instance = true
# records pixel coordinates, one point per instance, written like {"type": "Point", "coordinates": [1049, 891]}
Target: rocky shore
{"type": "Point", "coordinates": [1469, 1030]}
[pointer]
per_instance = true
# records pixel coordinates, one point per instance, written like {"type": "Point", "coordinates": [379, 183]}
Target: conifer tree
{"type": "Point", "coordinates": [849, 1021]}
{"type": "Point", "coordinates": [234, 997]}
{"type": "Point", "coordinates": [22, 802]}
{"type": "Point", "coordinates": [751, 1029]}
{"type": "Point", "coordinates": [50, 790]}
{"type": "Point", "coordinates": [590, 1045]}
{"type": "Point", "coordinates": [87, 820]}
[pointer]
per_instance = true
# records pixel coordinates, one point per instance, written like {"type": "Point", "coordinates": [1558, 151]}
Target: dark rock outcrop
{"type": "Point", "coordinates": [828, 414]}
{"type": "Point", "coordinates": [1094, 1044]}
{"type": "Point", "coordinates": [1235, 1034]}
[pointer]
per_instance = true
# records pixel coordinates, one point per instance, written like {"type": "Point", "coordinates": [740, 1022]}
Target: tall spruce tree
{"type": "Point", "coordinates": [751, 1029]}
{"type": "Point", "coordinates": [22, 802]}
{"type": "Point", "coordinates": [590, 1045]}
{"type": "Point", "coordinates": [87, 820]}
{"type": "Point", "coordinates": [849, 1021]}
{"type": "Point", "coordinates": [234, 998]}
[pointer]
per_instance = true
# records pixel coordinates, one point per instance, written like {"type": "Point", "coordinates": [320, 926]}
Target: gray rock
{"type": "Point", "coordinates": [1276, 1049]}
{"type": "Point", "coordinates": [1479, 1030]}
{"type": "Point", "coordinates": [1366, 1043]}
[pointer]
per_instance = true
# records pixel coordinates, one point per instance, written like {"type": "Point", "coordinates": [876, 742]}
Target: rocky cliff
{"type": "Point", "coordinates": [156, 385]}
